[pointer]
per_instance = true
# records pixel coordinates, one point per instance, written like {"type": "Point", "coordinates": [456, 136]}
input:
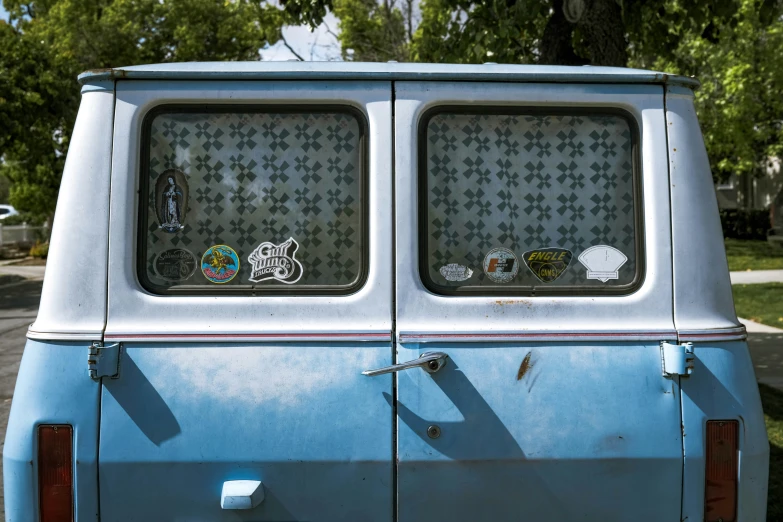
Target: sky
{"type": "Point", "coordinates": [318, 45]}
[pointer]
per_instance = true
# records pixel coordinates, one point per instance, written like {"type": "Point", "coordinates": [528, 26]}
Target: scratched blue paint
{"type": "Point", "coordinates": [52, 388]}
{"type": "Point", "coordinates": [301, 418]}
{"type": "Point", "coordinates": [590, 432]}
{"type": "Point", "coordinates": [723, 387]}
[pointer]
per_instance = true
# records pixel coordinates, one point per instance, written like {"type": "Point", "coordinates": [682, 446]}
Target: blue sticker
{"type": "Point", "coordinates": [220, 264]}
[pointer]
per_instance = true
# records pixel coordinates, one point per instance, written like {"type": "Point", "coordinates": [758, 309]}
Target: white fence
{"type": "Point", "coordinates": [23, 235]}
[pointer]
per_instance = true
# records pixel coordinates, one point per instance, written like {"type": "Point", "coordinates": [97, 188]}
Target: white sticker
{"type": "Point", "coordinates": [455, 272]}
{"type": "Point", "coordinates": [602, 262]}
{"type": "Point", "coordinates": [278, 262]}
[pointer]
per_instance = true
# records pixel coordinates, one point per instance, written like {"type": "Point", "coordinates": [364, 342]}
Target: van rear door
{"type": "Point", "coordinates": [533, 254]}
{"type": "Point", "coordinates": [250, 285]}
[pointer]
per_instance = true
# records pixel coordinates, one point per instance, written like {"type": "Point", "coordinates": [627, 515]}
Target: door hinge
{"type": "Point", "coordinates": [103, 360]}
{"type": "Point", "coordinates": [677, 359]}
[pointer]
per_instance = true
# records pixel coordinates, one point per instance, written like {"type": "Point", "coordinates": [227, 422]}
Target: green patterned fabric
{"type": "Point", "coordinates": [255, 177]}
{"type": "Point", "coordinates": [526, 182]}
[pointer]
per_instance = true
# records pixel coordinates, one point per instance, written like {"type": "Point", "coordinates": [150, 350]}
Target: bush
{"type": "Point", "coordinates": [40, 250]}
{"type": "Point", "coordinates": [24, 217]}
{"type": "Point", "coordinates": [745, 224]}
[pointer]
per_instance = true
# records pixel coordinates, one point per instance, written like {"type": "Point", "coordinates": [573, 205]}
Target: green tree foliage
{"type": "Point", "coordinates": [48, 42]}
{"type": "Point", "coordinates": [739, 61]}
{"type": "Point", "coordinates": [735, 47]}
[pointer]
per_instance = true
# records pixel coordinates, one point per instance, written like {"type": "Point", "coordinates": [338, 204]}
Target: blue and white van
{"type": "Point", "coordinates": [386, 292]}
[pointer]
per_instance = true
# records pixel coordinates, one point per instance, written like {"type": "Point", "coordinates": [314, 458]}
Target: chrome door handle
{"type": "Point", "coordinates": [430, 362]}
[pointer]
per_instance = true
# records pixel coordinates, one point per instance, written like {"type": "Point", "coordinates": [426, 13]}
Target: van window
{"type": "Point", "coordinates": [528, 202]}
{"type": "Point", "coordinates": [253, 200]}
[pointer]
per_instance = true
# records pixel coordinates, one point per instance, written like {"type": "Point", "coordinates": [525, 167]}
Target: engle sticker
{"type": "Point", "coordinates": [455, 272]}
{"type": "Point", "coordinates": [547, 264]}
{"type": "Point", "coordinates": [501, 265]}
{"type": "Point", "coordinates": [602, 262]}
{"type": "Point", "coordinates": [220, 264]}
{"type": "Point", "coordinates": [171, 200]}
{"type": "Point", "coordinates": [175, 264]}
{"type": "Point", "coordinates": [277, 262]}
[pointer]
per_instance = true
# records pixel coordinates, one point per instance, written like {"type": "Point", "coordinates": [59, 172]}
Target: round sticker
{"type": "Point", "coordinates": [175, 264]}
{"type": "Point", "coordinates": [501, 265]}
{"type": "Point", "coordinates": [220, 264]}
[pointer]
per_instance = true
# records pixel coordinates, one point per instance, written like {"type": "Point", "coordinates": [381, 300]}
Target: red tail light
{"type": "Point", "coordinates": [720, 491]}
{"type": "Point", "coordinates": [55, 473]}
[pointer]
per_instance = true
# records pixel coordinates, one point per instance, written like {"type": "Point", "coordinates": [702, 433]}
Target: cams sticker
{"type": "Point", "coordinates": [277, 262]}
{"type": "Point", "coordinates": [175, 264]}
{"type": "Point", "coordinates": [547, 263]}
{"type": "Point", "coordinates": [501, 265]}
{"type": "Point", "coordinates": [455, 272]}
{"type": "Point", "coordinates": [171, 200]}
{"type": "Point", "coordinates": [220, 264]}
{"type": "Point", "coordinates": [602, 262]}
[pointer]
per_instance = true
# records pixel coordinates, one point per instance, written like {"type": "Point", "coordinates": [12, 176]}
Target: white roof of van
{"type": "Point", "coordinates": [294, 70]}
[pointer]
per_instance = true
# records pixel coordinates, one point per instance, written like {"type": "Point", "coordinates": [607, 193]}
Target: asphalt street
{"type": "Point", "coordinates": [19, 305]}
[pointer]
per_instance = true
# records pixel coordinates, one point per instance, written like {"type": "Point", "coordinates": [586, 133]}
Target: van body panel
{"type": "Point", "coordinates": [73, 300]}
{"type": "Point", "coordinates": [723, 387]}
{"type": "Point", "coordinates": [133, 311]}
{"type": "Point", "coordinates": [556, 443]}
{"type": "Point", "coordinates": [553, 403]}
{"type": "Point", "coordinates": [184, 418]}
{"type": "Point", "coordinates": [52, 388]}
{"type": "Point", "coordinates": [647, 310]}
{"type": "Point", "coordinates": [702, 287]}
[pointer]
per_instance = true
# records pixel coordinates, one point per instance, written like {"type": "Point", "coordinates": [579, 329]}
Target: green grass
{"type": "Point", "coordinates": [772, 400]}
{"type": "Point", "coordinates": [762, 303]}
{"type": "Point", "coordinates": [747, 254]}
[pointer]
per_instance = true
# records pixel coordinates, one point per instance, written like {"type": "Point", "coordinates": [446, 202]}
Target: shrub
{"type": "Point", "coordinates": [744, 224]}
{"type": "Point", "coordinates": [40, 250]}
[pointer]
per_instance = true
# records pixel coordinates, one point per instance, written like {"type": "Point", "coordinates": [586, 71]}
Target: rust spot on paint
{"type": "Point", "coordinates": [525, 366]}
{"type": "Point", "coordinates": [523, 302]}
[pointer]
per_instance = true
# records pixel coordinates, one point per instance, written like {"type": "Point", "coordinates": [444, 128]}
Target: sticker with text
{"type": "Point", "coordinates": [547, 264]}
{"type": "Point", "coordinates": [220, 264]}
{"type": "Point", "coordinates": [455, 272]}
{"type": "Point", "coordinates": [277, 262]}
{"type": "Point", "coordinates": [175, 264]}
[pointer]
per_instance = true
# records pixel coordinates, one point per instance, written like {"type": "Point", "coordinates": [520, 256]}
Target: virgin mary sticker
{"type": "Point", "coordinates": [547, 263]}
{"type": "Point", "coordinates": [276, 262]}
{"type": "Point", "coordinates": [171, 200]}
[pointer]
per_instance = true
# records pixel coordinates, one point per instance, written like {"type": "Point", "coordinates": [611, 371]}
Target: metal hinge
{"type": "Point", "coordinates": [104, 360]}
{"type": "Point", "coordinates": [677, 359]}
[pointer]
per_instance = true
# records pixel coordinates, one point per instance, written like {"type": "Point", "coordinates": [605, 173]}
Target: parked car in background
{"type": "Point", "coordinates": [7, 211]}
{"type": "Point", "coordinates": [386, 292]}
{"type": "Point", "coordinates": [775, 234]}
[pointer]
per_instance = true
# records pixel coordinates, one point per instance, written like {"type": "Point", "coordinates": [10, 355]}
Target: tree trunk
{"type": "Point", "coordinates": [557, 41]}
{"type": "Point", "coordinates": [600, 25]}
{"type": "Point", "coordinates": [604, 33]}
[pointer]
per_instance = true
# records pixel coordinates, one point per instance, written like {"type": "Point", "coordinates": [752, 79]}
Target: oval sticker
{"type": "Point", "coordinates": [220, 264]}
{"type": "Point", "coordinates": [175, 264]}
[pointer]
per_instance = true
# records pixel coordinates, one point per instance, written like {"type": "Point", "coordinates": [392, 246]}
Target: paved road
{"type": "Point", "coordinates": [18, 307]}
{"type": "Point", "coordinates": [19, 304]}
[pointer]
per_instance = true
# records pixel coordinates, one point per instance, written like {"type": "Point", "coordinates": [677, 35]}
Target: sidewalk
{"type": "Point", "coordinates": [756, 276]}
{"type": "Point", "coordinates": [34, 273]}
{"type": "Point", "coordinates": [753, 327]}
